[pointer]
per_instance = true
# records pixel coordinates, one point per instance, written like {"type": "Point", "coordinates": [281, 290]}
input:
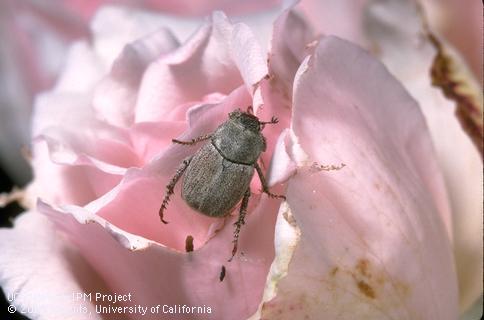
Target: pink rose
{"type": "Point", "coordinates": [372, 238]}
{"type": "Point", "coordinates": [36, 35]}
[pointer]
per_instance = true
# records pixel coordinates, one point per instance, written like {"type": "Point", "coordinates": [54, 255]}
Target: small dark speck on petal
{"type": "Point", "coordinates": [222, 274]}
{"type": "Point", "coordinates": [189, 244]}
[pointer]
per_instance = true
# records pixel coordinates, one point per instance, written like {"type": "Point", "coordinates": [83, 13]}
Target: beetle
{"type": "Point", "coordinates": [217, 177]}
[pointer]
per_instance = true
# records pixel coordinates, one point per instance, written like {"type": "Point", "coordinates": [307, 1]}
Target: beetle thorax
{"type": "Point", "coordinates": [238, 142]}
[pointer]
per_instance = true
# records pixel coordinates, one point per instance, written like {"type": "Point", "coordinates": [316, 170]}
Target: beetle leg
{"type": "Point", "coordinates": [274, 120]}
{"type": "Point", "coordinates": [171, 186]}
{"type": "Point", "coordinates": [193, 141]}
{"type": "Point", "coordinates": [263, 181]}
{"type": "Point", "coordinates": [240, 221]}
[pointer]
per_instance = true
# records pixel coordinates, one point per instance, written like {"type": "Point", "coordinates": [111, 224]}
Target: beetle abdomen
{"type": "Point", "coordinates": [212, 184]}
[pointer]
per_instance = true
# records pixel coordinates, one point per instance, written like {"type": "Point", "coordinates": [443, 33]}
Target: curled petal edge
{"type": "Point", "coordinates": [83, 216]}
{"type": "Point", "coordinates": [451, 75]}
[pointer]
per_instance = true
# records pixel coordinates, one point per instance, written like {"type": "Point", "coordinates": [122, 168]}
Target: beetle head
{"type": "Point", "coordinates": [245, 119]}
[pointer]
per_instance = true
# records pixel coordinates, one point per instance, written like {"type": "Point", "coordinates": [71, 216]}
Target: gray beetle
{"type": "Point", "coordinates": [218, 176]}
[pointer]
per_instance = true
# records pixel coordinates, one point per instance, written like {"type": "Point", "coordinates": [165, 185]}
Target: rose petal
{"type": "Point", "coordinates": [198, 8]}
{"type": "Point", "coordinates": [149, 138]}
{"type": "Point", "coordinates": [90, 182]}
{"type": "Point", "coordinates": [273, 103]}
{"type": "Point", "coordinates": [92, 159]}
{"type": "Point", "coordinates": [123, 270]}
{"type": "Point", "coordinates": [452, 76]}
{"type": "Point", "coordinates": [282, 165]}
{"type": "Point", "coordinates": [211, 61]}
{"type": "Point", "coordinates": [47, 274]}
{"type": "Point", "coordinates": [115, 97]}
{"type": "Point", "coordinates": [287, 237]}
{"type": "Point", "coordinates": [291, 43]}
{"type": "Point", "coordinates": [115, 26]}
{"type": "Point", "coordinates": [69, 101]}
{"type": "Point", "coordinates": [341, 18]}
{"type": "Point", "coordinates": [97, 140]}
{"type": "Point", "coordinates": [410, 61]}
{"type": "Point", "coordinates": [273, 96]}
{"type": "Point", "coordinates": [373, 240]}
{"type": "Point", "coordinates": [461, 26]}
{"type": "Point", "coordinates": [83, 69]}
{"type": "Point", "coordinates": [114, 154]}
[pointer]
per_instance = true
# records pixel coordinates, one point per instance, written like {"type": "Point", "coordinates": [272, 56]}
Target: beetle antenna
{"type": "Point", "coordinates": [250, 110]}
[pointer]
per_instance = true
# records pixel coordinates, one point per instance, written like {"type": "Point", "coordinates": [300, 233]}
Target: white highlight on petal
{"type": "Point", "coordinates": [287, 237]}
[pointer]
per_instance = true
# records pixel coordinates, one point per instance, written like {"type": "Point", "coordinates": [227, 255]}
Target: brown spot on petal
{"type": "Point", "coordinates": [370, 280]}
{"type": "Point", "coordinates": [362, 267]}
{"type": "Point", "coordinates": [366, 289]}
{"type": "Point", "coordinates": [290, 219]}
{"type": "Point", "coordinates": [366, 280]}
{"type": "Point", "coordinates": [361, 284]}
{"type": "Point", "coordinates": [334, 271]}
